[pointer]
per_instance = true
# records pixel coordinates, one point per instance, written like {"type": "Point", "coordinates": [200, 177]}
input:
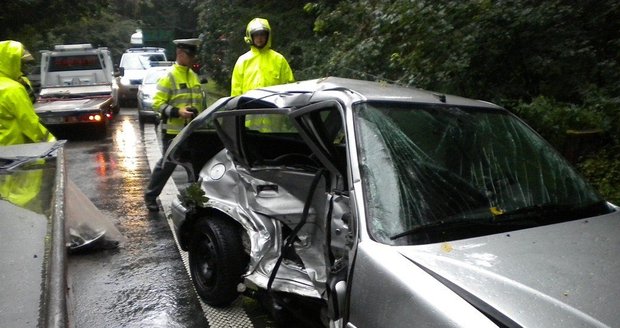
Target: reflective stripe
{"type": "Point", "coordinates": [178, 89]}
{"type": "Point", "coordinates": [167, 110]}
{"type": "Point", "coordinates": [163, 89]}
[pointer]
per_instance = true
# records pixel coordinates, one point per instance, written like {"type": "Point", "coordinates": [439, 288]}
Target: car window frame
{"type": "Point", "coordinates": [307, 127]}
{"type": "Point", "coordinates": [232, 131]}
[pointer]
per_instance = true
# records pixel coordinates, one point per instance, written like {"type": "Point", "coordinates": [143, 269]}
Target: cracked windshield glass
{"type": "Point", "coordinates": [437, 173]}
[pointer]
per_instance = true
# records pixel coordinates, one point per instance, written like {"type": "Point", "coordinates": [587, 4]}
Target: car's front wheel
{"type": "Point", "coordinates": [217, 260]}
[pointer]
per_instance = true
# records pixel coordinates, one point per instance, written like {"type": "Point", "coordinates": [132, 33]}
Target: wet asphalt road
{"type": "Point", "coordinates": [144, 282]}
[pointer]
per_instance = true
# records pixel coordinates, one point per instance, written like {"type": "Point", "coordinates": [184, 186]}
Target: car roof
{"type": "Point", "coordinates": [145, 49]}
{"type": "Point", "coordinates": [351, 90]}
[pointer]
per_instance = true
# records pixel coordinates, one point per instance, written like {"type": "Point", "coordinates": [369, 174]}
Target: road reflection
{"type": "Point", "coordinates": [126, 140]}
{"type": "Point", "coordinates": [143, 283]}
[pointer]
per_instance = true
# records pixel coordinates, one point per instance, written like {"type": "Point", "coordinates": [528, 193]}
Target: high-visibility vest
{"type": "Point", "coordinates": [179, 88]}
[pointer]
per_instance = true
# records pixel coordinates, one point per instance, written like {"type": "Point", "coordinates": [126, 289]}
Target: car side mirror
{"type": "Point", "coordinates": [120, 71]}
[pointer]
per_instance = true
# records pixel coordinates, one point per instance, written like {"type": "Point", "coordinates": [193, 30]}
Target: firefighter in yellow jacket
{"type": "Point", "coordinates": [261, 66]}
{"type": "Point", "coordinates": [179, 98]}
{"type": "Point", "coordinates": [19, 123]}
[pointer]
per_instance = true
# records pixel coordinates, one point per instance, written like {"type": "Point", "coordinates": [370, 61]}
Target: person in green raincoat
{"type": "Point", "coordinates": [261, 66]}
{"type": "Point", "coordinates": [19, 123]}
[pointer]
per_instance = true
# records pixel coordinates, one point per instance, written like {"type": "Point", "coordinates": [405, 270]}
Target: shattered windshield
{"type": "Point", "coordinates": [435, 173]}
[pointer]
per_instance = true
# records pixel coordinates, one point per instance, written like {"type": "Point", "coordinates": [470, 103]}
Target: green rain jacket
{"type": "Point", "coordinates": [18, 121]}
{"type": "Point", "coordinates": [179, 88]}
{"type": "Point", "coordinates": [18, 124]}
{"type": "Point", "coordinates": [259, 67]}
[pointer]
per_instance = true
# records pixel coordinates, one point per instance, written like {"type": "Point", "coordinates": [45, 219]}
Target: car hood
{"type": "Point", "coordinates": [561, 275]}
{"type": "Point", "coordinates": [134, 74]}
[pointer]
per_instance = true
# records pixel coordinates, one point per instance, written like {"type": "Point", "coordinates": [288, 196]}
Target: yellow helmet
{"type": "Point", "coordinates": [257, 25]}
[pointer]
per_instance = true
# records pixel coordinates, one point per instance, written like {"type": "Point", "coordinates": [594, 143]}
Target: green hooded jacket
{"type": "Point", "coordinates": [19, 124]}
{"type": "Point", "coordinates": [18, 121]}
{"type": "Point", "coordinates": [259, 67]}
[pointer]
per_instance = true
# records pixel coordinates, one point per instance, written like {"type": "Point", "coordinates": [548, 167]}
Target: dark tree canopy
{"type": "Point", "coordinates": [554, 62]}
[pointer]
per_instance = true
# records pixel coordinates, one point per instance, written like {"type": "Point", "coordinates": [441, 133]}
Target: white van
{"type": "Point", "coordinates": [133, 65]}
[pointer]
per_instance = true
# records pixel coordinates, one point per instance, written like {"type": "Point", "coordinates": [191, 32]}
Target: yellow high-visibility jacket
{"type": "Point", "coordinates": [179, 88]}
{"type": "Point", "coordinates": [259, 67]}
{"type": "Point", "coordinates": [19, 124]}
{"type": "Point", "coordinates": [18, 121]}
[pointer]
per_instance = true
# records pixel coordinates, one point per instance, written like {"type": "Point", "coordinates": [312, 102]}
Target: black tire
{"type": "Point", "coordinates": [217, 260]}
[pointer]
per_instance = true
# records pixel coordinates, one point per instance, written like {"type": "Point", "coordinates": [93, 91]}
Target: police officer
{"type": "Point", "coordinates": [179, 98]}
{"type": "Point", "coordinates": [261, 66]}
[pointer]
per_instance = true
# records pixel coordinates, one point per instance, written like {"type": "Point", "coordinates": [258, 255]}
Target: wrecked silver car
{"type": "Point", "coordinates": [386, 206]}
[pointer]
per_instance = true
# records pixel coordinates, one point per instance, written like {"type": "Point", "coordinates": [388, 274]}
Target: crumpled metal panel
{"type": "Point", "coordinates": [262, 207]}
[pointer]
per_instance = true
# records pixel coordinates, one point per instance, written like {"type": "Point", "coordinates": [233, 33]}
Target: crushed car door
{"type": "Point", "coordinates": [283, 185]}
{"type": "Point", "coordinates": [321, 126]}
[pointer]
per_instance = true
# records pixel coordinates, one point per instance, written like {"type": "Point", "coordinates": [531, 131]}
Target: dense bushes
{"type": "Point", "coordinates": [556, 62]}
{"type": "Point", "coordinates": [587, 134]}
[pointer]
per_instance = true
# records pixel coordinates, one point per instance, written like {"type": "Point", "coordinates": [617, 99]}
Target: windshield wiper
{"type": "Point", "coordinates": [430, 226]}
{"type": "Point", "coordinates": [487, 221]}
{"type": "Point", "coordinates": [538, 209]}
{"type": "Point", "coordinates": [529, 216]}
{"type": "Point", "coordinates": [553, 213]}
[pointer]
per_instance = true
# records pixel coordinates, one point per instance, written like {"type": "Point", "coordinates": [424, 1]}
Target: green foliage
{"type": "Point", "coordinates": [587, 134]}
{"type": "Point", "coordinates": [553, 119]}
{"type": "Point", "coordinates": [108, 23]}
{"type": "Point", "coordinates": [489, 50]}
{"type": "Point", "coordinates": [556, 63]}
{"type": "Point", "coordinates": [223, 26]}
{"type": "Point", "coordinates": [602, 169]}
{"type": "Point", "coordinates": [193, 196]}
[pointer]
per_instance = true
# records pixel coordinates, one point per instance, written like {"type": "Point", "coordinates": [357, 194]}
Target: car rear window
{"type": "Point", "coordinates": [74, 63]}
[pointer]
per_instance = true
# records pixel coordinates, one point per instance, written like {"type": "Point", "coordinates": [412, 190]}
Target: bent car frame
{"type": "Point", "coordinates": [387, 206]}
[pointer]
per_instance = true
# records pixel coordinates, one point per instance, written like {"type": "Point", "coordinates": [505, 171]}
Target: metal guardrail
{"type": "Point", "coordinates": [57, 278]}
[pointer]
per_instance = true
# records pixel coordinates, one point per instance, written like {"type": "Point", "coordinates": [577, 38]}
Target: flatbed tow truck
{"type": "Point", "coordinates": [78, 88]}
